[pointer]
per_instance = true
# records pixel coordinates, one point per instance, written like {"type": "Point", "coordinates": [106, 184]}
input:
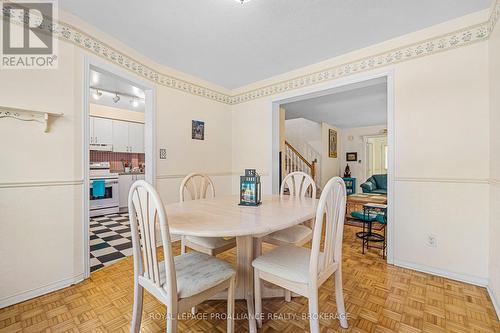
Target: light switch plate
{"type": "Point", "coordinates": [163, 154]}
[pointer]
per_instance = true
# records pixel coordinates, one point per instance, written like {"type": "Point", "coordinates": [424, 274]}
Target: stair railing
{"type": "Point", "coordinates": [294, 161]}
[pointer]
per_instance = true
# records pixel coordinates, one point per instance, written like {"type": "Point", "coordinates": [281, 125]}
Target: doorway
{"type": "Point", "coordinates": [118, 149]}
{"type": "Point", "coordinates": [356, 160]}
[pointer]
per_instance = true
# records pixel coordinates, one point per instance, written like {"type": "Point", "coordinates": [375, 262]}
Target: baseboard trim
{"type": "Point", "coordinates": [475, 280]}
{"type": "Point", "coordinates": [29, 294]}
{"type": "Point", "coordinates": [494, 300]}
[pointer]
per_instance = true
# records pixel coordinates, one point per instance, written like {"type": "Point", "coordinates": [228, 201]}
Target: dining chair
{"type": "Point", "coordinates": [199, 186]}
{"type": "Point", "coordinates": [303, 270]}
{"type": "Point", "coordinates": [179, 282]}
{"type": "Point", "coordinates": [299, 184]}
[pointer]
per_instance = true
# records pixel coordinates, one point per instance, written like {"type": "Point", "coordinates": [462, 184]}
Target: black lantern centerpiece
{"type": "Point", "coordinates": [250, 188]}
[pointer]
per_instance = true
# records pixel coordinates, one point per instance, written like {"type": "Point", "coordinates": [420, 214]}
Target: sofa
{"type": "Point", "coordinates": [375, 184]}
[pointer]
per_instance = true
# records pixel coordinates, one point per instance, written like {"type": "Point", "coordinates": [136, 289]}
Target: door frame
{"type": "Point", "coordinates": [365, 152]}
{"type": "Point", "coordinates": [325, 89]}
{"type": "Point", "coordinates": [90, 62]}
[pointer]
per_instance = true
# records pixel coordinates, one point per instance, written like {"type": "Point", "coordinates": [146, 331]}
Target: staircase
{"type": "Point", "coordinates": [295, 161]}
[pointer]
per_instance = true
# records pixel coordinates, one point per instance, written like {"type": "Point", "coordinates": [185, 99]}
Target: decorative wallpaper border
{"type": "Point", "coordinates": [434, 45]}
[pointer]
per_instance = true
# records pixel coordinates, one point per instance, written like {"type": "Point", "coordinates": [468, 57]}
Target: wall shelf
{"type": "Point", "coordinates": [41, 117]}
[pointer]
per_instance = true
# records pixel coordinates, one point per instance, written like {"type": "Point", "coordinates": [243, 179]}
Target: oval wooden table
{"type": "Point", "coordinates": [223, 217]}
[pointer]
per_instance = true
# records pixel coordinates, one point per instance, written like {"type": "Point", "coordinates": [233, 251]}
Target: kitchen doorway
{"type": "Point", "coordinates": [118, 149]}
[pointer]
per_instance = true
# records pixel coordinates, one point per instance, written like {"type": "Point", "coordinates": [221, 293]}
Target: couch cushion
{"type": "Point", "coordinates": [381, 181]}
{"type": "Point", "coordinates": [368, 186]}
{"type": "Point", "coordinates": [380, 191]}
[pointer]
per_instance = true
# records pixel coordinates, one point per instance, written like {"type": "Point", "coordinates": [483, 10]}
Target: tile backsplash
{"type": "Point", "coordinates": [115, 159]}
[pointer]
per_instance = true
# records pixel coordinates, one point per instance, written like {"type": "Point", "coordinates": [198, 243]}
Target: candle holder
{"type": "Point", "coordinates": [250, 188]}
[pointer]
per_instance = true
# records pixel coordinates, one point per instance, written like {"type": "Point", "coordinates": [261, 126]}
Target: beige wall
{"type": "Point", "coordinates": [41, 178]}
{"type": "Point", "coordinates": [441, 152]}
{"type": "Point", "coordinates": [441, 108]}
{"type": "Point", "coordinates": [494, 56]}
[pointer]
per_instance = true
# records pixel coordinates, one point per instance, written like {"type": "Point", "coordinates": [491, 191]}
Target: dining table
{"type": "Point", "coordinates": [222, 216]}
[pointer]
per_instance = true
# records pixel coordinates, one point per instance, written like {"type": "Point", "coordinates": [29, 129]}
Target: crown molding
{"type": "Point", "coordinates": [449, 41]}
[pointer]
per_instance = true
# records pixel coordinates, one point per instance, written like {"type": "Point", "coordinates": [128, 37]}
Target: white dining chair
{"type": "Point", "coordinates": [299, 184]}
{"type": "Point", "coordinates": [179, 282]}
{"type": "Point", "coordinates": [303, 270]}
{"type": "Point", "coordinates": [195, 187]}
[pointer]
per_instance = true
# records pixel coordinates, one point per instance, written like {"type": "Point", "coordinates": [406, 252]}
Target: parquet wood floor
{"type": "Point", "coordinates": [379, 298]}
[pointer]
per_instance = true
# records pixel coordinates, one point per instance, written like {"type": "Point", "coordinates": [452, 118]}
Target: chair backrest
{"type": "Point", "coordinates": [299, 184]}
{"type": "Point", "coordinates": [331, 206]}
{"type": "Point", "coordinates": [198, 186]}
{"type": "Point", "coordinates": [146, 213]}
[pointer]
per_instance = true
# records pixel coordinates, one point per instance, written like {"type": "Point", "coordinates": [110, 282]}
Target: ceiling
{"type": "Point", "coordinates": [109, 85]}
{"type": "Point", "coordinates": [356, 105]}
{"type": "Point", "coordinates": [232, 45]}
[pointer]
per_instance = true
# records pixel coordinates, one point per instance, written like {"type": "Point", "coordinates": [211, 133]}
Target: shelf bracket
{"type": "Point", "coordinates": [29, 115]}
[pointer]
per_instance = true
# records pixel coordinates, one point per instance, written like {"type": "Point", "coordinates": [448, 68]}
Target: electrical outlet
{"type": "Point", "coordinates": [431, 241]}
{"type": "Point", "coordinates": [163, 154]}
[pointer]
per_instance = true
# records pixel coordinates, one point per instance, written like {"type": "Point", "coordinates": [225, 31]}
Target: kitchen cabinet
{"type": "Point", "coordinates": [101, 130]}
{"type": "Point", "coordinates": [128, 137]}
{"type": "Point", "coordinates": [136, 137]}
{"type": "Point", "coordinates": [125, 182]}
{"type": "Point", "coordinates": [120, 136]}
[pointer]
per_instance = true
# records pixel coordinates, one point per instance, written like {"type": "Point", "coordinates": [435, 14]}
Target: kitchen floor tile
{"type": "Point", "coordinates": [110, 240]}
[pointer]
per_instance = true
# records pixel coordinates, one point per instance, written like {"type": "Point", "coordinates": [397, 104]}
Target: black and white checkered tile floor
{"type": "Point", "coordinates": [110, 240]}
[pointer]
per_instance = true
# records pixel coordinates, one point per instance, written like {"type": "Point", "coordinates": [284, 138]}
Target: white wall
{"type": "Point", "coordinates": [441, 147]}
{"type": "Point", "coordinates": [494, 276]}
{"type": "Point", "coordinates": [300, 132]}
{"type": "Point", "coordinates": [356, 145]}
{"type": "Point", "coordinates": [41, 183]}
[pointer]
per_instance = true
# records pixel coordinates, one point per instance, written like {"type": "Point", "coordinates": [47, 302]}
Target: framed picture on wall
{"type": "Point", "coordinates": [351, 157]}
{"type": "Point", "coordinates": [198, 130]}
{"type": "Point", "coordinates": [332, 143]}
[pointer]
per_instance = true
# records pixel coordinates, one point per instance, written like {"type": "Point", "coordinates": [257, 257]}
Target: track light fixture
{"type": "Point", "coordinates": [116, 99]}
{"type": "Point", "coordinates": [97, 94]}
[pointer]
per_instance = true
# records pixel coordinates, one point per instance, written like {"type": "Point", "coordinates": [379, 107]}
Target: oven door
{"type": "Point", "coordinates": [108, 203]}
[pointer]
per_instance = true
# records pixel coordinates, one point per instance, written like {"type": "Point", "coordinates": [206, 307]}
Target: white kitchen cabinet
{"type": "Point", "coordinates": [128, 137]}
{"type": "Point", "coordinates": [120, 136]}
{"type": "Point", "coordinates": [136, 137]}
{"type": "Point", "coordinates": [125, 183]}
{"type": "Point", "coordinates": [101, 130]}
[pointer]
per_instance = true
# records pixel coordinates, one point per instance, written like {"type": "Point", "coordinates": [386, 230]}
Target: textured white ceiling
{"type": "Point", "coordinates": [233, 45]}
{"type": "Point", "coordinates": [355, 105]}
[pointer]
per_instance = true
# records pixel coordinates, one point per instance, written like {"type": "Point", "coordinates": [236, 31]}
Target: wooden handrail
{"type": "Point", "coordinates": [310, 165]}
{"type": "Point", "coordinates": [296, 152]}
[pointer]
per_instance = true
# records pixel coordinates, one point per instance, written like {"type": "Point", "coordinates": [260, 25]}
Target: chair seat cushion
{"type": "Point", "coordinates": [210, 242]}
{"type": "Point", "coordinates": [197, 272]}
{"type": "Point", "coordinates": [363, 217]}
{"type": "Point", "coordinates": [288, 262]}
{"type": "Point", "coordinates": [293, 235]}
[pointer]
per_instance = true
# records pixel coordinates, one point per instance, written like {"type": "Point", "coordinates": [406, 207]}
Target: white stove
{"type": "Point", "coordinates": [110, 201]}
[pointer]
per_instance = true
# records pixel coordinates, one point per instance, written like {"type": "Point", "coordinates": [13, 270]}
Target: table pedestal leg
{"type": "Point", "coordinates": [244, 276]}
